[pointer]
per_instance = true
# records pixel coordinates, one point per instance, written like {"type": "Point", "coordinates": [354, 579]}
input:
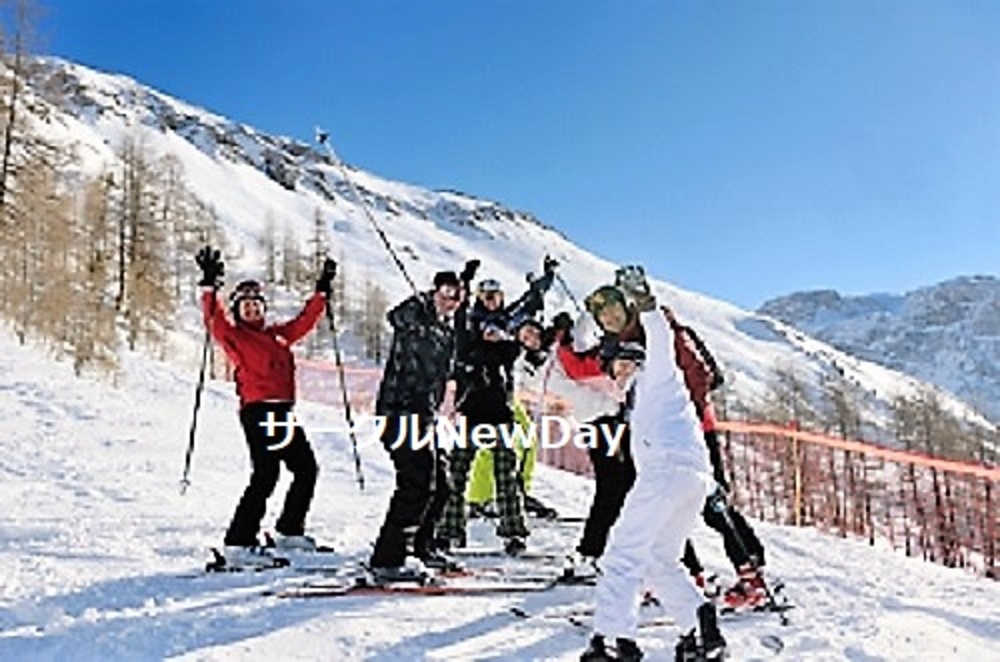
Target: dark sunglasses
{"type": "Point", "coordinates": [457, 296]}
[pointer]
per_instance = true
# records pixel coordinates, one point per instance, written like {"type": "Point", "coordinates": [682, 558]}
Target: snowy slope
{"type": "Point", "coordinates": [947, 334]}
{"type": "Point", "coordinates": [97, 547]}
{"type": "Point", "coordinates": [246, 175]}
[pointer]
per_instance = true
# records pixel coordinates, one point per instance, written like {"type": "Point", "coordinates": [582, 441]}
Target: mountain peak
{"type": "Point", "coordinates": [947, 333]}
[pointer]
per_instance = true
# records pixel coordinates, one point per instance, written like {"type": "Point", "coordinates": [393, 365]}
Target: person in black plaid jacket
{"type": "Point", "coordinates": [419, 364]}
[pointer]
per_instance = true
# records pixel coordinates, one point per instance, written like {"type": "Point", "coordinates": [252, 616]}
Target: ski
{"type": "Point", "coordinates": [220, 564]}
{"type": "Point", "coordinates": [439, 587]}
{"type": "Point", "coordinates": [509, 574]}
{"type": "Point", "coordinates": [322, 563]}
{"type": "Point", "coordinates": [736, 612]}
{"type": "Point", "coordinates": [582, 617]}
{"type": "Point", "coordinates": [528, 555]}
{"type": "Point", "coordinates": [270, 543]}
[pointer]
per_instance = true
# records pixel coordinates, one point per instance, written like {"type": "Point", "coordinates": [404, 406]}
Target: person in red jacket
{"type": "Point", "coordinates": [265, 384]}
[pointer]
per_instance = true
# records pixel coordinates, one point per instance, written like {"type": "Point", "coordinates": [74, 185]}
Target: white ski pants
{"type": "Point", "coordinates": [646, 544]}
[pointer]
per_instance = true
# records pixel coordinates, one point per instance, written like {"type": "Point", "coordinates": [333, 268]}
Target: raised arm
{"type": "Point", "coordinates": [214, 316]}
{"type": "Point", "coordinates": [294, 329]}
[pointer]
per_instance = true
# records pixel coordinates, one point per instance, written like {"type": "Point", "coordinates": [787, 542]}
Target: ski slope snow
{"type": "Point", "coordinates": [100, 554]}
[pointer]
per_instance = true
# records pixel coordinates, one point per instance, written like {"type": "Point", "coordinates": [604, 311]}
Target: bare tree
{"type": "Point", "coordinates": [93, 337]}
{"type": "Point", "coordinates": [21, 17]}
{"type": "Point", "coordinates": [373, 321]}
{"type": "Point", "coordinates": [839, 407]}
{"type": "Point", "coordinates": [788, 396]}
{"type": "Point", "coordinates": [319, 241]}
{"type": "Point", "coordinates": [269, 245]}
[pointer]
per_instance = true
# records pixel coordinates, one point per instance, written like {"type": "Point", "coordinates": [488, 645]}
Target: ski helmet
{"type": "Point", "coordinates": [603, 297]}
{"type": "Point", "coordinates": [246, 290]}
{"type": "Point", "coordinates": [612, 349]}
{"type": "Point", "coordinates": [489, 289]}
{"type": "Point", "coordinates": [488, 285]}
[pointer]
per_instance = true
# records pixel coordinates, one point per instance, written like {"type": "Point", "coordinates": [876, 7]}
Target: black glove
{"type": "Point", "coordinates": [562, 327]}
{"type": "Point", "coordinates": [212, 267]}
{"type": "Point", "coordinates": [469, 272]}
{"type": "Point", "coordinates": [326, 275]}
{"type": "Point", "coordinates": [562, 321]}
{"type": "Point", "coordinates": [549, 265]}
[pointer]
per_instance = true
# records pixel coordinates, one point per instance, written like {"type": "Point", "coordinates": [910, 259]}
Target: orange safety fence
{"type": "Point", "coordinates": [318, 381]}
{"type": "Point", "coordinates": [941, 510]}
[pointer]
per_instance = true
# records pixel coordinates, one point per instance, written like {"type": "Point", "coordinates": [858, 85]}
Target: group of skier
{"type": "Point", "coordinates": [666, 471]}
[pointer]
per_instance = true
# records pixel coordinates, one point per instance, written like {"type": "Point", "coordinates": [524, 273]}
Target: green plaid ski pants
{"type": "Point", "coordinates": [510, 505]}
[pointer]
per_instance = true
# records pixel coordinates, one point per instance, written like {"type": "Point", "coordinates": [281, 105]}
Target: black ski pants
{"type": "Point", "coordinates": [741, 542]}
{"type": "Point", "coordinates": [613, 478]}
{"type": "Point", "coordinates": [268, 449]}
{"type": "Point", "coordinates": [418, 499]}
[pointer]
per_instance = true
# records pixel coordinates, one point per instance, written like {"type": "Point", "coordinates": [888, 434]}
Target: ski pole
{"type": "Point", "coordinates": [323, 138]}
{"type": "Point", "coordinates": [569, 293]}
{"type": "Point", "coordinates": [343, 392]}
{"type": "Point", "coordinates": [185, 482]}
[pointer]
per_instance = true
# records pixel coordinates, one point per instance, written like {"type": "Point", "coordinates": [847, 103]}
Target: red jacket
{"type": "Point", "coordinates": [579, 365]}
{"type": "Point", "coordinates": [265, 367]}
{"type": "Point", "coordinates": [697, 374]}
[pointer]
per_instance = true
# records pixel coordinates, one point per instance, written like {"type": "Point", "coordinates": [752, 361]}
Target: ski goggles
{"type": "Point", "coordinates": [248, 292]}
{"type": "Point", "coordinates": [450, 293]}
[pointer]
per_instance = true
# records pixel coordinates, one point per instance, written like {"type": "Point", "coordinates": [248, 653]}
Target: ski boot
{"type": "Point", "coordinates": [285, 543]}
{"type": "Point", "coordinates": [413, 571]}
{"type": "Point", "coordinates": [440, 562]}
{"type": "Point", "coordinates": [533, 506]}
{"type": "Point", "coordinates": [709, 585]}
{"type": "Point", "coordinates": [597, 650]}
{"type": "Point", "coordinates": [713, 645]}
{"type": "Point", "coordinates": [687, 649]}
{"type": "Point", "coordinates": [580, 569]}
{"type": "Point", "coordinates": [514, 546]}
{"type": "Point", "coordinates": [483, 510]}
{"type": "Point", "coordinates": [748, 592]}
{"type": "Point", "coordinates": [236, 558]}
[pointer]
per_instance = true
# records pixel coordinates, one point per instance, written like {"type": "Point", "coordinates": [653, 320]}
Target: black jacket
{"type": "Point", "coordinates": [482, 364]}
{"type": "Point", "coordinates": [420, 359]}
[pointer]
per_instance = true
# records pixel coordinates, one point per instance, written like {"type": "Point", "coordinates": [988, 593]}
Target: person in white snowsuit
{"type": "Point", "coordinates": [673, 479]}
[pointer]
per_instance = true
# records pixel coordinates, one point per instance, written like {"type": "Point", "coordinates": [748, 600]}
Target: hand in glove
{"type": "Point", "coordinates": [563, 321]}
{"type": "Point", "coordinates": [469, 272]}
{"type": "Point", "coordinates": [542, 284]}
{"type": "Point", "coordinates": [326, 275]}
{"type": "Point", "coordinates": [212, 268]}
{"type": "Point", "coordinates": [632, 282]}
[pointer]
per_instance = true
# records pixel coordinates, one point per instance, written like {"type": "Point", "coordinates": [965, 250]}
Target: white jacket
{"type": "Point", "coordinates": [664, 425]}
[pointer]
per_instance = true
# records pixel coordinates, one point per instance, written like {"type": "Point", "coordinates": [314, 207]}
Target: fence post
{"type": "Point", "coordinates": [793, 426]}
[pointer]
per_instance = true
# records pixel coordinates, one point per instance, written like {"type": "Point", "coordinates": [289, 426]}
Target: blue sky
{"type": "Point", "coordinates": [741, 148]}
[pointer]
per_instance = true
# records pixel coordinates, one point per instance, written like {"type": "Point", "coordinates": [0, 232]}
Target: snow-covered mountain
{"type": "Point", "coordinates": [947, 334]}
{"type": "Point", "coordinates": [247, 176]}
{"type": "Point", "coordinates": [100, 554]}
